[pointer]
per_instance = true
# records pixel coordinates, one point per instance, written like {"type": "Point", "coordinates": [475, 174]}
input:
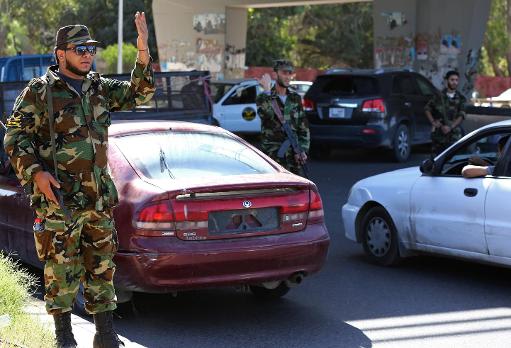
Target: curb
{"type": "Point", "coordinates": [83, 329]}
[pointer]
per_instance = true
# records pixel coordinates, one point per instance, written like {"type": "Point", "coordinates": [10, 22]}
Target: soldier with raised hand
{"type": "Point", "coordinates": [76, 238]}
{"type": "Point", "coordinates": [280, 99]}
{"type": "Point", "coordinates": [446, 112]}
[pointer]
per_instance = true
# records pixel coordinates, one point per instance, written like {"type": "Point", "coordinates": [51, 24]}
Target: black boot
{"type": "Point", "coordinates": [105, 336]}
{"type": "Point", "coordinates": [63, 331]}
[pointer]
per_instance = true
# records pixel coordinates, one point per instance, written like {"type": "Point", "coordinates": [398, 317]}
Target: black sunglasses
{"type": "Point", "coordinates": [81, 49]}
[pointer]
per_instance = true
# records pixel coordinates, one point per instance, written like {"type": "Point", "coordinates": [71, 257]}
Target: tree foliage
{"type": "Point", "coordinates": [109, 56]}
{"type": "Point", "coordinates": [36, 22]}
{"type": "Point", "coordinates": [319, 36]}
{"type": "Point", "coordinates": [496, 59]}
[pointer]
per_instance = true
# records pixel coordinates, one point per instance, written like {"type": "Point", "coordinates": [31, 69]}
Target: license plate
{"type": "Point", "coordinates": [243, 221]}
{"type": "Point", "coordinates": [337, 113]}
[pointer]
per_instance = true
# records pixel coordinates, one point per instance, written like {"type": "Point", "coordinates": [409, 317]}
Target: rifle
{"type": "Point", "coordinates": [56, 191]}
{"type": "Point", "coordinates": [291, 138]}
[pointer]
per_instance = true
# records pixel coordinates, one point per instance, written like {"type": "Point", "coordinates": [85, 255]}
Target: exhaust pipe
{"type": "Point", "coordinates": [295, 279]}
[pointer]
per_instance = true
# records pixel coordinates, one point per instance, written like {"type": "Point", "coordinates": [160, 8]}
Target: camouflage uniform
{"type": "Point", "coordinates": [82, 249]}
{"type": "Point", "coordinates": [447, 110]}
{"type": "Point", "coordinates": [272, 135]}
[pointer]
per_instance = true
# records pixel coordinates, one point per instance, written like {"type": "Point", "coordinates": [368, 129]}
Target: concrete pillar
{"type": "Point", "coordinates": [431, 37]}
{"type": "Point", "coordinates": [235, 42]}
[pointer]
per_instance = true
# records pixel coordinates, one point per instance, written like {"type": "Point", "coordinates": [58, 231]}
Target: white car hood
{"type": "Point", "coordinates": [385, 187]}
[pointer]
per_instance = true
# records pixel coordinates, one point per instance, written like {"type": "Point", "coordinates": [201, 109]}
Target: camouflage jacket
{"type": "Point", "coordinates": [271, 129]}
{"type": "Point", "coordinates": [81, 132]}
{"type": "Point", "coordinates": [447, 109]}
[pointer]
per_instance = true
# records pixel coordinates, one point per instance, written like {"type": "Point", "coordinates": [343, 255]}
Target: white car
{"type": "Point", "coordinates": [503, 100]}
{"type": "Point", "coordinates": [433, 209]}
{"type": "Point", "coordinates": [234, 105]}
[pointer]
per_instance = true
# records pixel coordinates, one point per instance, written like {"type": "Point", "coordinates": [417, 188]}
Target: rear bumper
{"type": "Point", "coordinates": [360, 135]}
{"type": "Point", "coordinates": [201, 264]}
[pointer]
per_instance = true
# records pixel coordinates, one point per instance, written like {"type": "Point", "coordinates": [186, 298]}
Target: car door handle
{"type": "Point", "coordinates": [470, 192]}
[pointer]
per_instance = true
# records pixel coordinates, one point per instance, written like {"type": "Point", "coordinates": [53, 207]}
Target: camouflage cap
{"type": "Point", "coordinates": [75, 34]}
{"type": "Point", "coordinates": [283, 64]}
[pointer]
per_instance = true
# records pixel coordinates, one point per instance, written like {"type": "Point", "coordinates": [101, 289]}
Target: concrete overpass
{"type": "Point", "coordinates": [430, 36]}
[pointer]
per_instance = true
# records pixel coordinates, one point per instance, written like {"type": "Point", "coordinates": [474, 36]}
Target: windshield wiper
{"type": "Point", "coordinates": [164, 165]}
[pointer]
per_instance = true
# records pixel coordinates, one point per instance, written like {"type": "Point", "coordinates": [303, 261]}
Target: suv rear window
{"type": "Point", "coordinates": [344, 85]}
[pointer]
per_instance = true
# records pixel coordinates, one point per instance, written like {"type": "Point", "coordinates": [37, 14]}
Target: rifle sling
{"type": "Point", "coordinates": [52, 130]}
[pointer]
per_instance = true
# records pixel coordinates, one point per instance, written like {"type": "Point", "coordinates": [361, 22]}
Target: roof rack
{"type": "Point", "coordinates": [366, 71]}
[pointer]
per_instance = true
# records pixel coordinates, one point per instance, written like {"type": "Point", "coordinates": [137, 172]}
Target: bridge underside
{"type": "Point", "coordinates": [430, 36]}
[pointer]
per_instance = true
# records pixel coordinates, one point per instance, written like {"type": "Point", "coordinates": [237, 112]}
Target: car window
{"type": "Point", "coordinates": [218, 90]}
{"type": "Point", "coordinates": [242, 95]}
{"type": "Point", "coordinates": [404, 84]}
{"type": "Point", "coordinates": [425, 88]}
{"type": "Point", "coordinates": [485, 148]}
{"type": "Point", "coordinates": [191, 155]}
{"type": "Point", "coordinates": [343, 85]}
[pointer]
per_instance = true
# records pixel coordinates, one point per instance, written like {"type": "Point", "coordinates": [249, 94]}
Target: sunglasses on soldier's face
{"type": "Point", "coordinates": [81, 49]}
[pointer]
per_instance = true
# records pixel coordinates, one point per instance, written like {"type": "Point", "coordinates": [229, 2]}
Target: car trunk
{"type": "Point", "coordinates": [232, 207]}
{"type": "Point", "coordinates": [343, 100]}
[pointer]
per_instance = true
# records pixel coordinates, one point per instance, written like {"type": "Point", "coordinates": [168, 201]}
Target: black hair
{"type": "Point", "coordinates": [450, 73]}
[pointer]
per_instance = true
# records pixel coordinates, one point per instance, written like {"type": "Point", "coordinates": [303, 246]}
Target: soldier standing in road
{"type": "Point", "coordinates": [446, 112]}
{"type": "Point", "coordinates": [75, 235]}
{"type": "Point", "coordinates": [282, 100]}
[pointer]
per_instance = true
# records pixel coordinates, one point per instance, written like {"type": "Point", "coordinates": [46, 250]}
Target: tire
{"type": "Point", "coordinates": [379, 237]}
{"type": "Point", "coordinates": [401, 144]}
{"type": "Point", "coordinates": [269, 294]}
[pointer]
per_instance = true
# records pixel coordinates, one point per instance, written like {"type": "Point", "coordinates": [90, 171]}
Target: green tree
{"type": "Point", "coordinates": [496, 57]}
{"type": "Point", "coordinates": [319, 36]}
{"type": "Point", "coordinates": [109, 56]}
{"type": "Point", "coordinates": [38, 21]}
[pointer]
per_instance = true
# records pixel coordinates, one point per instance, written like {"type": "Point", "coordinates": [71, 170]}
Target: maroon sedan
{"type": "Point", "coordinates": [199, 207]}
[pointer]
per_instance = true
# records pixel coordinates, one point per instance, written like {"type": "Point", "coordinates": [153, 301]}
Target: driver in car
{"type": "Point", "coordinates": [480, 167]}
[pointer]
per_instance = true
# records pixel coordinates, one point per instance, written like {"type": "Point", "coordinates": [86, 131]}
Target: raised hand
{"type": "Point", "coordinates": [265, 82]}
{"type": "Point", "coordinates": [143, 37]}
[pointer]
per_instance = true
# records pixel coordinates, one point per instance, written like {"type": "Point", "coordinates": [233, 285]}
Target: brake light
{"type": "Point", "coordinates": [316, 213]}
{"type": "Point", "coordinates": [158, 219]}
{"type": "Point", "coordinates": [374, 105]}
{"type": "Point", "coordinates": [308, 105]}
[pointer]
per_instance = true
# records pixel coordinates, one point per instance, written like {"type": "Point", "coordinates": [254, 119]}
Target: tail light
{"type": "Point", "coordinates": [374, 105]}
{"type": "Point", "coordinates": [158, 219]}
{"type": "Point", "coordinates": [308, 105]}
{"type": "Point", "coordinates": [316, 214]}
{"type": "Point", "coordinates": [294, 213]}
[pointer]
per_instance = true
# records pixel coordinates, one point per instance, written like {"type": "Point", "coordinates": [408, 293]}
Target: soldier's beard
{"type": "Point", "coordinates": [281, 83]}
{"type": "Point", "coordinates": [75, 69]}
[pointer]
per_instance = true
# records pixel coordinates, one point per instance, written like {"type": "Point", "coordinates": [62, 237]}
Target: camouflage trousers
{"type": "Point", "coordinates": [81, 251]}
{"type": "Point", "coordinates": [440, 141]}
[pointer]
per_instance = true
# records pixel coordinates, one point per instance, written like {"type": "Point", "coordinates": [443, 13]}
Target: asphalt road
{"type": "Point", "coordinates": [424, 302]}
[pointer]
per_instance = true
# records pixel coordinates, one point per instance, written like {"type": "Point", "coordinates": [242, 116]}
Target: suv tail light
{"type": "Point", "coordinates": [316, 213]}
{"type": "Point", "coordinates": [308, 105]}
{"type": "Point", "coordinates": [374, 105]}
{"type": "Point", "coordinates": [158, 219]}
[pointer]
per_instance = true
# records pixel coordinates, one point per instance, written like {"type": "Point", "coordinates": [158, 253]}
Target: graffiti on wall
{"type": "Point", "coordinates": [209, 55]}
{"type": "Point", "coordinates": [430, 54]}
{"type": "Point", "coordinates": [209, 23]}
{"type": "Point", "coordinates": [394, 19]}
{"type": "Point", "coordinates": [234, 57]}
{"type": "Point", "coordinates": [394, 52]}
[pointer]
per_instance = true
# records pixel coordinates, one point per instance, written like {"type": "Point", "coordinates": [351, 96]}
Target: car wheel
{"type": "Point", "coordinates": [379, 237]}
{"type": "Point", "coordinates": [401, 143]}
{"type": "Point", "coordinates": [269, 294]}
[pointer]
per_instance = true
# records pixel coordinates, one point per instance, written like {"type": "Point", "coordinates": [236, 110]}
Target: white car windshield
{"type": "Point", "coordinates": [191, 155]}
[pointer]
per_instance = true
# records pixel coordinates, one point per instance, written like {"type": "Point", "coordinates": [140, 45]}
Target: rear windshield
{"type": "Point", "coordinates": [344, 85]}
{"type": "Point", "coordinates": [190, 155]}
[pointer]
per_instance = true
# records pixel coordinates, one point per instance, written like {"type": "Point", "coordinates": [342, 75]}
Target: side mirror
{"type": "Point", "coordinates": [427, 166]}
